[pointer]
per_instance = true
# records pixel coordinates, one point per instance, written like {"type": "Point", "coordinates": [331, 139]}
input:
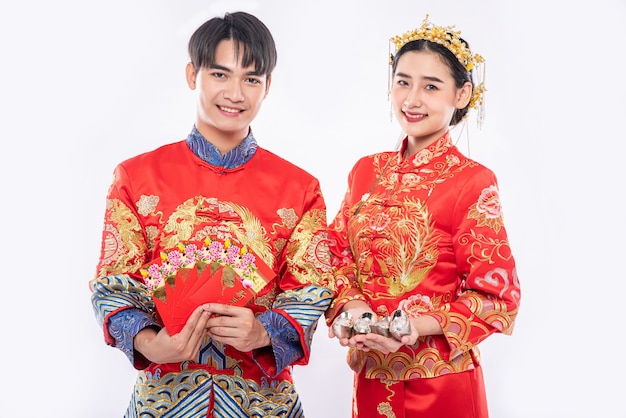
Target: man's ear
{"type": "Point", "coordinates": [267, 85]}
{"type": "Point", "coordinates": [190, 75]}
{"type": "Point", "coordinates": [464, 95]}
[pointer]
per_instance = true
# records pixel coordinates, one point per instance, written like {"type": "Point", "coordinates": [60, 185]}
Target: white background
{"type": "Point", "coordinates": [86, 84]}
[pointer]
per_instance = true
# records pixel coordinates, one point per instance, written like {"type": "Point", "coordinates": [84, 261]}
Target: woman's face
{"type": "Point", "coordinates": [424, 96]}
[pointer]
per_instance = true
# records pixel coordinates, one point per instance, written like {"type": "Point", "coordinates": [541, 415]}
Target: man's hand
{"type": "Point", "coordinates": [161, 347]}
{"type": "Point", "coordinates": [237, 327]}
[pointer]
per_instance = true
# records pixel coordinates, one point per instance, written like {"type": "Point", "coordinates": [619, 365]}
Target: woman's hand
{"type": "Point", "coordinates": [355, 309]}
{"type": "Point", "coordinates": [422, 325]}
{"type": "Point", "coordinates": [385, 345]}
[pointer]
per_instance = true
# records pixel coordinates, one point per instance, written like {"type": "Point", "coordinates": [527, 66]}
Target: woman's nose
{"type": "Point", "coordinates": [413, 99]}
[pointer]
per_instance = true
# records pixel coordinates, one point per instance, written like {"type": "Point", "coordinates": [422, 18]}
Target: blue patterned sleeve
{"type": "Point", "coordinates": [284, 339]}
{"type": "Point", "coordinates": [302, 307]}
{"type": "Point", "coordinates": [123, 307]}
{"type": "Point", "coordinates": [124, 326]}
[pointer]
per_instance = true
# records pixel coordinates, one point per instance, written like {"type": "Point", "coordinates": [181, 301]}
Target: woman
{"type": "Point", "coordinates": [420, 234]}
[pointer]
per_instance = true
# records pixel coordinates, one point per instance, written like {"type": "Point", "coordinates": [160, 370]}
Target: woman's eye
{"type": "Point", "coordinates": [431, 87]}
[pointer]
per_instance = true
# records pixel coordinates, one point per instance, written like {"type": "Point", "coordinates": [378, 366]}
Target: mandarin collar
{"type": "Point", "coordinates": [427, 154]}
{"type": "Point", "coordinates": [209, 153]}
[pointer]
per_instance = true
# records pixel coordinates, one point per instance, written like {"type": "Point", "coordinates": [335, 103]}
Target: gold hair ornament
{"type": "Point", "coordinates": [451, 39]}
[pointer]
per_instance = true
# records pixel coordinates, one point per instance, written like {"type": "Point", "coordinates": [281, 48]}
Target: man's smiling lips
{"type": "Point", "coordinates": [230, 110]}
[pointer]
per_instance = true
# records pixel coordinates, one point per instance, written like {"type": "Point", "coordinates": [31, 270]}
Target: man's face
{"type": "Point", "coordinates": [229, 96]}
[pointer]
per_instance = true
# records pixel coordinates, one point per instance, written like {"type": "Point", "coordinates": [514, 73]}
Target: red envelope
{"type": "Point", "coordinates": [222, 286]}
{"type": "Point", "coordinates": [207, 283]}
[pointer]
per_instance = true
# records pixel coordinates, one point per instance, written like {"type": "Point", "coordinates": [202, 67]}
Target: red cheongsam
{"type": "Point", "coordinates": [425, 234]}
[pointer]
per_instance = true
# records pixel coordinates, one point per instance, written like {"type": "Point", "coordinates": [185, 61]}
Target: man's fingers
{"type": "Point", "coordinates": [227, 310]}
{"type": "Point", "coordinates": [194, 330]}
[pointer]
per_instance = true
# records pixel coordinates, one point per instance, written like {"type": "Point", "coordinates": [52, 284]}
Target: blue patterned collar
{"type": "Point", "coordinates": [208, 152]}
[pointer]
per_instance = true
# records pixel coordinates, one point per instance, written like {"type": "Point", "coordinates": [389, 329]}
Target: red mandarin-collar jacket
{"type": "Point", "coordinates": [425, 234]}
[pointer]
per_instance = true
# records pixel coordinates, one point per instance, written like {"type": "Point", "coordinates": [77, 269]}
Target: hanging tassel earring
{"type": "Point", "coordinates": [389, 79]}
{"type": "Point", "coordinates": [480, 80]}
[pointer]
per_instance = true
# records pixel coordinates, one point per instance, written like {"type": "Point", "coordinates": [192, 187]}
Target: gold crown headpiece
{"type": "Point", "coordinates": [450, 38]}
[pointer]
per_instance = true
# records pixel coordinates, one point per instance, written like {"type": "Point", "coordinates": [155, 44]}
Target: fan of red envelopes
{"type": "Point", "coordinates": [202, 283]}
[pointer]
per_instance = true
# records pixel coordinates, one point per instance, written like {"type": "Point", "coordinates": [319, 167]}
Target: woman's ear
{"type": "Point", "coordinates": [190, 75]}
{"type": "Point", "coordinates": [464, 95]}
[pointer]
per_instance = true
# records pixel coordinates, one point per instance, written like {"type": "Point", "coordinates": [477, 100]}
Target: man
{"type": "Point", "coordinates": [216, 189]}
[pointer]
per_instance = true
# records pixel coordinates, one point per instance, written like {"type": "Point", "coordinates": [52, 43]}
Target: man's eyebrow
{"type": "Point", "coordinates": [221, 68]}
{"type": "Point", "coordinates": [228, 70]}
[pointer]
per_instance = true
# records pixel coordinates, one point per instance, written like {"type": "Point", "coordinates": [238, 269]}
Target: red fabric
{"type": "Point", "coordinates": [425, 234]}
{"type": "Point", "coordinates": [168, 196]}
{"type": "Point", "coordinates": [457, 395]}
{"type": "Point", "coordinates": [170, 183]}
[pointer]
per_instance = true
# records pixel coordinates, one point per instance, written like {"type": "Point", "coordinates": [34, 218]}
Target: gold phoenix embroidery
{"type": "Point", "coordinates": [407, 250]}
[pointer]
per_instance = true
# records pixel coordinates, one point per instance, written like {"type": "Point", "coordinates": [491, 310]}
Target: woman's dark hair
{"type": "Point", "coordinates": [459, 73]}
{"type": "Point", "coordinates": [247, 32]}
